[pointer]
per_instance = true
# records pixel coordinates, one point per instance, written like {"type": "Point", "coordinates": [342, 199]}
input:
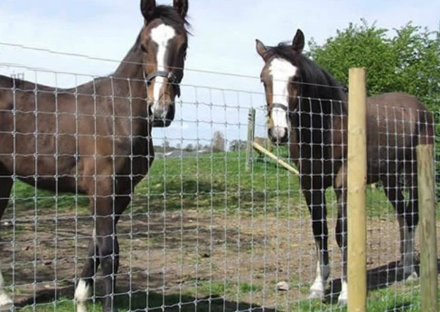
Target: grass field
{"type": "Point", "coordinates": [216, 186]}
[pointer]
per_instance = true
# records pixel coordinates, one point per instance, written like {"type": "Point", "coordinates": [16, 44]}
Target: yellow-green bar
{"type": "Point", "coordinates": [428, 235]}
{"type": "Point", "coordinates": [356, 188]}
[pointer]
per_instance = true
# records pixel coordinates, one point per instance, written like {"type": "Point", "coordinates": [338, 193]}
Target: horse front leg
{"type": "Point", "coordinates": [109, 258]}
{"type": "Point", "coordinates": [85, 285]}
{"type": "Point", "coordinates": [407, 217]}
{"type": "Point", "coordinates": [103, 250]}
{"type": "Point", "coordinates": [316, 202]}
{"type": "Point", "coordinates": [109, 245]}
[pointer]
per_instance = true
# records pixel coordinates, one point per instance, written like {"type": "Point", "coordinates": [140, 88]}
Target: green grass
{"type": "Point", "coordinates": [27, 197]}
{"type": "Point", "coordinates": [389, 299]}
{"type": "Point", "coordinates": [212, 182]}
{"type": "Point", "coordinates": [216, 183]}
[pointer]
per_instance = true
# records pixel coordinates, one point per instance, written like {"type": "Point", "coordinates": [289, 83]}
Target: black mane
{"type": "Point", "coordinates": [315, 81]}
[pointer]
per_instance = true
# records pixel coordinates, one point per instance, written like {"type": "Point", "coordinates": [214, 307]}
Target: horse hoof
{"type": "Point", "coordinates": [412, 277]}
{"type": "Point", "coordinates": [316, 295]}
{"type": "Point", "coordinates": [342, 301]}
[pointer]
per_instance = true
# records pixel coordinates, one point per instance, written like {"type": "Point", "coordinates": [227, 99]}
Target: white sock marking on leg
{"type": "Point", "coordinates": [82, 294]}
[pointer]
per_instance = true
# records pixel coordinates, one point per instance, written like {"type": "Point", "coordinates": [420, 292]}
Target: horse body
{"type": "Point", "coordinates": [54, 134]}
{"type": "Point", "coordinates": [311, 116]}
{"type": "Point", "coordinates": [95, 139]}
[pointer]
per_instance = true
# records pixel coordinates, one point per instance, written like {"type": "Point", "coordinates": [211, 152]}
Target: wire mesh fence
{"type": "Point", "coordinates": [202, 233]}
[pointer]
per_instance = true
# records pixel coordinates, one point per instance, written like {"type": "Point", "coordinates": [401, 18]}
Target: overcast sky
{"type": "Point", "coordinates": [224, 33]}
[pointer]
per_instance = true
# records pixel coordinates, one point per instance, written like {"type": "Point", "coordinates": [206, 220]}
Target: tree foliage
{"type": "Point", "coordinates": [237, 145]}
{"type": "Point", "coordinates": [405, 59]}
{"type": "Point", "coordinates": [218, 142]}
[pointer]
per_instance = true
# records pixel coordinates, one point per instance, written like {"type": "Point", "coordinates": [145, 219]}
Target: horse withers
{"type": "Point", "coordinates": [95, 138]}
{"type": "Point", "coordinates": [308, 110]}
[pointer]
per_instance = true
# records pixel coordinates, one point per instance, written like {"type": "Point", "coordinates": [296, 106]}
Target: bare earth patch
{"type": "Point", "coordinates": [196, 255]}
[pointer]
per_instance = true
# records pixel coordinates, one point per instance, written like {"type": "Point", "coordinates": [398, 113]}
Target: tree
{"type": "Point", "coordinates": [218, 142]}
{"type": "Point", "coordinates": [189, 148]}
{"type": "Point", "coordinates": [237, 145]}
{"type": "Point", "coordinates": [409, 61]}
{"type": "Point", "coordinates": [166, 145]}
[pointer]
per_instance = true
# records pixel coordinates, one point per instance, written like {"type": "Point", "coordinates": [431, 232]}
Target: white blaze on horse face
{"type": "Point", "coordinates": [282, 72]}
{"type": "Point", "coordinates": [161, 35]}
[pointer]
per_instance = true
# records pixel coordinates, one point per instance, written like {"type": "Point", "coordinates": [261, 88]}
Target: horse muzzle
{"type": "Point", "coordinates": [163, 110]}
{"type": "Point", "coordinates": [278, 131]}
{"type": "Point", "coordinates": [278, 135]}
{"type": "Point", "coordinates": [163, 115]}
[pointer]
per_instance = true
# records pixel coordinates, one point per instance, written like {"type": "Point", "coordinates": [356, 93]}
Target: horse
{"type": "Point", "coordinates": [307, 109]}
{"type": "Point", "coordinates": [95, 138]}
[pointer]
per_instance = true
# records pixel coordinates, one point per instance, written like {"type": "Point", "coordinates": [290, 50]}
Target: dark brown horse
{"type": "Point", "coordinates": [95, 139]}
{"type": "Point", "coordinates": [308, 110]}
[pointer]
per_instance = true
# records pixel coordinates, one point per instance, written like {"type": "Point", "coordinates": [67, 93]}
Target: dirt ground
{"type": "Point", "coordinates": [239, 258]}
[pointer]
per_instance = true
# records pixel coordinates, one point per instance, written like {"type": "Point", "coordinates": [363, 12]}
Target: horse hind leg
{"type": "Point", "coordinates": [408, 223]}
{"type": "Point", "coordinates": [6, 183]}
{"type": "Point", "coordinates": [407, 217]}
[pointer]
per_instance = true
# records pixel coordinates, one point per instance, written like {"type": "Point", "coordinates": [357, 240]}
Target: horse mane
{"type": "Point", "coordinates": [316, 82]}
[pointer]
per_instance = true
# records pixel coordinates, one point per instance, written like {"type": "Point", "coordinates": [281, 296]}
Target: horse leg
{"type": "Point", "coordinates": [6, 183]}
{"type": "Point", "coordinates": [85, 284]}
{"type": "Point", "coordinates": [315, 198]}
{"type": "Point", "coordinates": [105, 246]}
{"type": "Point", "coordinates": [408, 223]}
{"type": "Point", "coordinates": [407, 217]}
{"type": "Point", "coordinates": [341, 239]}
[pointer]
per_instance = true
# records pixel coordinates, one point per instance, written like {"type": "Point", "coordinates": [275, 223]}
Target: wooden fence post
{"type": "Point", "coordinates": [428, 235]}
{"type": "Point", "coordinates": [356, 192]}
{"type": "Point", "coordinates": [250, 138]}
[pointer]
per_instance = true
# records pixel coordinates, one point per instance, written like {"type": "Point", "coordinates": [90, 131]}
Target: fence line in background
{"type": "Point", "coordinates": [250, 138]}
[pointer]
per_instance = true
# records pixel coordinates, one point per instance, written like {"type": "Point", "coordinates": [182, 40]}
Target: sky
{"type": "Point", "coordinates": [41, 38]}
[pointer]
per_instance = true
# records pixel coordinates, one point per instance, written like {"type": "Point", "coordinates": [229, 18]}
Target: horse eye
{"type": "Point", "coordinates": [143, 48]}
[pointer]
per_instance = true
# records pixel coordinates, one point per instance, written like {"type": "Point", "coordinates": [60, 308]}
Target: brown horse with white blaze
{"type": "Point", "coordinates": [95, 138]}
{"type": "Point", "coordinates": [308, 110]}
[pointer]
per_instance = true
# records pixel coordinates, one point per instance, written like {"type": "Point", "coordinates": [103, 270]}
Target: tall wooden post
{"type": "Point", "coordinates": [356, 188]}
{"type": "Point", "coordinates": [250, 138]}
{"type": "Point", "coordinates": [428, 235]}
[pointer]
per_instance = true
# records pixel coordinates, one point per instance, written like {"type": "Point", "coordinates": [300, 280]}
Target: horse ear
{"type": "Point", "coordinates": [147, 9]}
{"type": "Point", "coordinates": [261, 48]}
{"type": "Point", "coordinates": [181, 6]}
{"type": "Point", "coordinates": [298, 41]}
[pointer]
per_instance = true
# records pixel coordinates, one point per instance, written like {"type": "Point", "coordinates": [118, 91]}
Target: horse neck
{"type": "Point", "coordinates": [130, 81]}
{"type": "Point", "coordinates": [318, 112]}
{"type": "Point", "coordinates": [131, 70]}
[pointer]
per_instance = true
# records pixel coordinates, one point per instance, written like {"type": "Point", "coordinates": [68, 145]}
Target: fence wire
{"type": "Point", "coordinates": [201, 233]}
